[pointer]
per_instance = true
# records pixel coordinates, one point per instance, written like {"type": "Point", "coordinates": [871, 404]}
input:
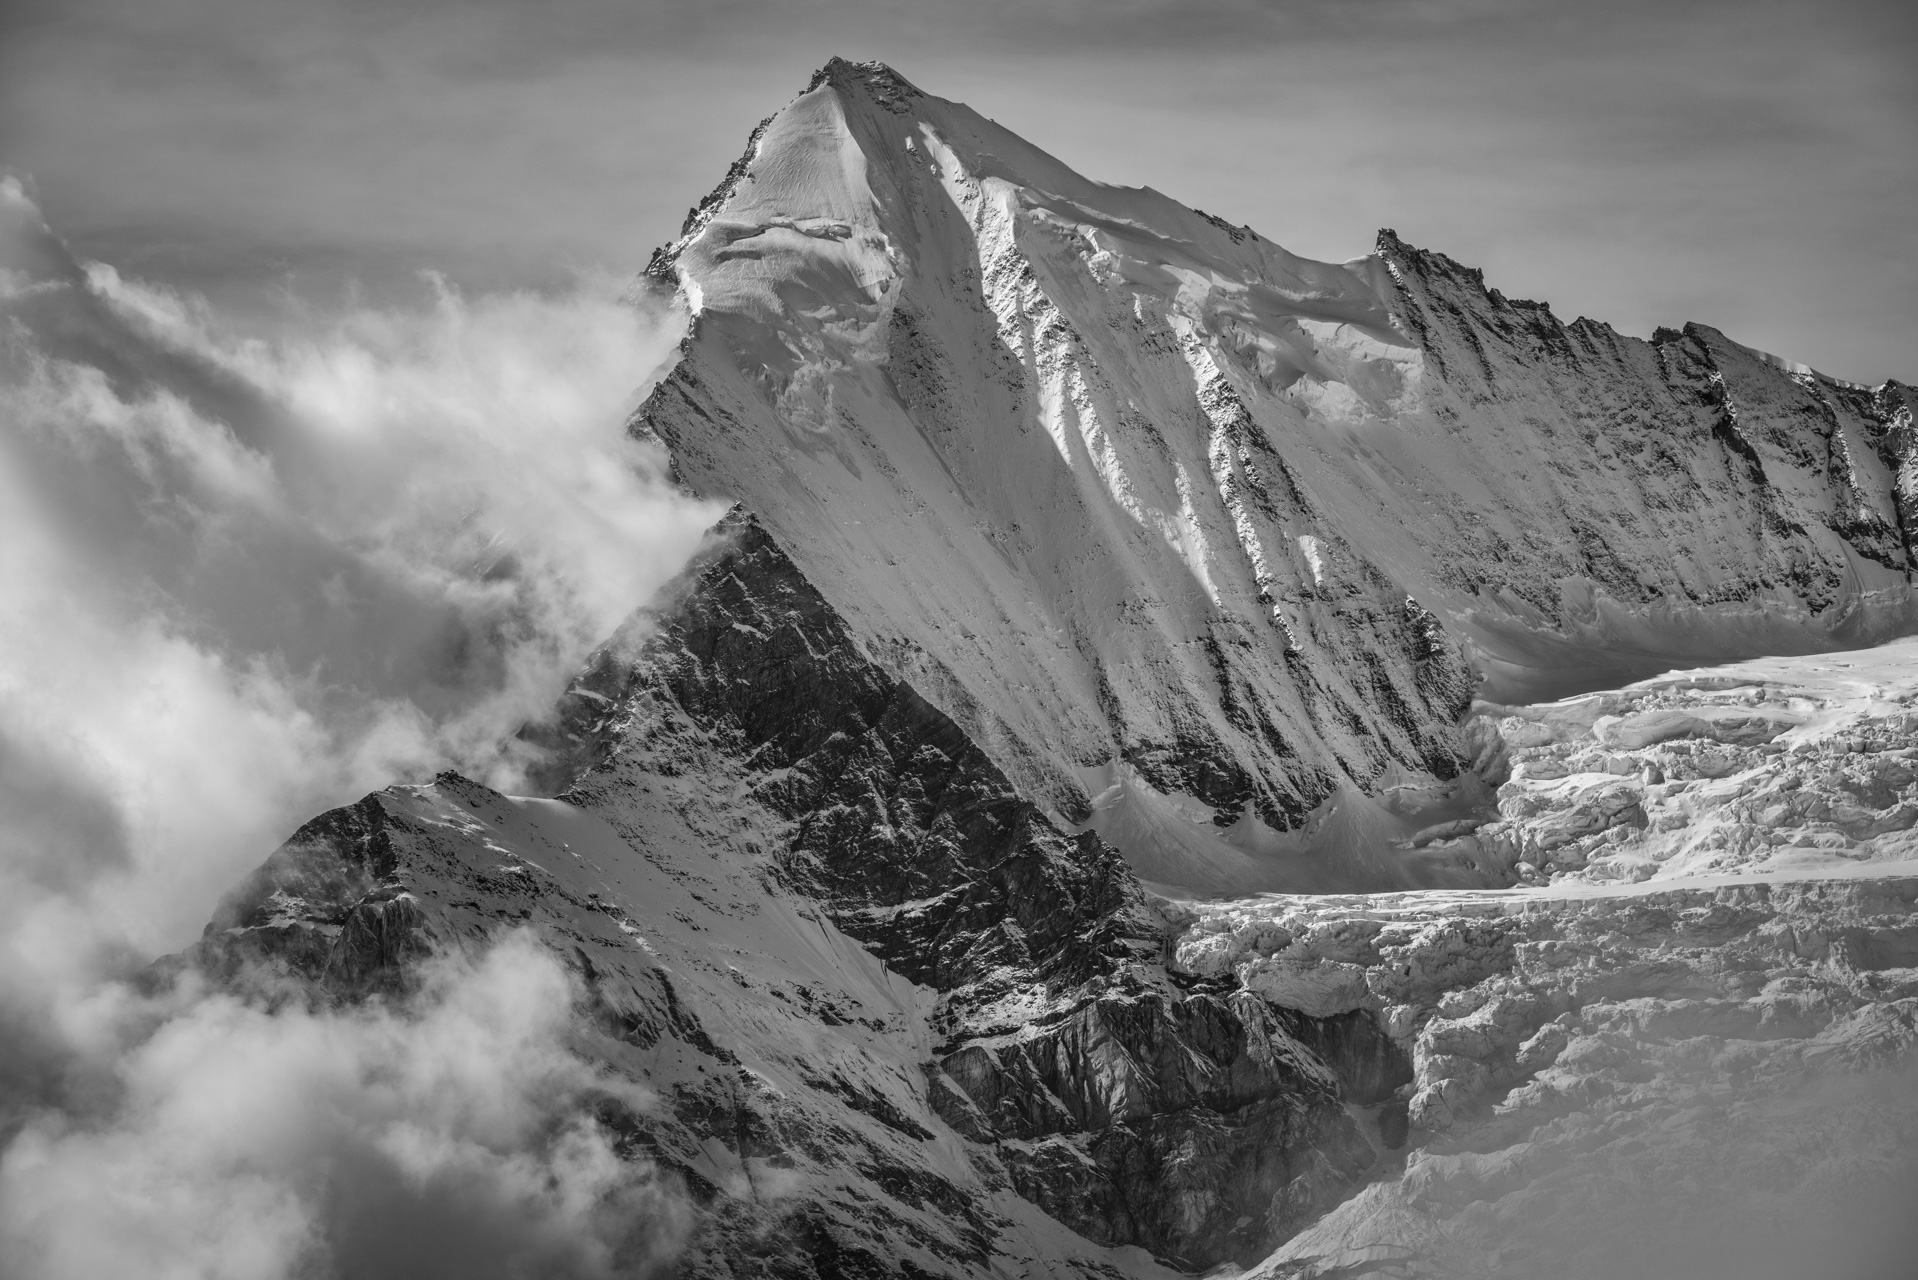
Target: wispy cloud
{"type": "Point", "coordinates": [246, 581]}
{"type": "Point", "coordinates": [452, 1137]}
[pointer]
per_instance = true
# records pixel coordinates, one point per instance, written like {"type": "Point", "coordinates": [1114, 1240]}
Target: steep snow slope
{"type": "Point", "coordinates": [1145, 502]}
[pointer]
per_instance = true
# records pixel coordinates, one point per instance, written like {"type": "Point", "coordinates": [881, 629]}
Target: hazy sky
{"type": "Point", "coordinates": [1753, 165]}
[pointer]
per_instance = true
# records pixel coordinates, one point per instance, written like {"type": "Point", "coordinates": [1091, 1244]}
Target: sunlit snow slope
{"type": "Point", "coordinates": [1203, 542]}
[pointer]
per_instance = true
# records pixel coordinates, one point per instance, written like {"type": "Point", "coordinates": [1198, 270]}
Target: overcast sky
{"type": "Point", "coordinates": [1751, 165]}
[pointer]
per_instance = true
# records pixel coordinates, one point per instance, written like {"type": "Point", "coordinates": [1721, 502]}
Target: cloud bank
{"type": "Point", "coordinates": [246, 581]}
{"type": "Point", "coordinates": [454, 1138]}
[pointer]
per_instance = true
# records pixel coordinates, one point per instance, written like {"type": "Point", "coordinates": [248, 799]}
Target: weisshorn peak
{"type": "Point", "coordinates": [1208, 545]}
{"type": "Point", "coordinates": [1091, 809]}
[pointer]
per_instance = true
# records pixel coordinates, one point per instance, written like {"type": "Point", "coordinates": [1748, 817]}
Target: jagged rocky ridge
{"type": "Point", "coordinates": [748, 791]}
{"type": "Point", "coordinates": [1085, 540]}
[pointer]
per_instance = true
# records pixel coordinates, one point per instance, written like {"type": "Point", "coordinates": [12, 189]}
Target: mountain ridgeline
{"type": "Point", "coordinates": [1085, 546]}
{"type": "Point", "coordinates": [1176, 524]}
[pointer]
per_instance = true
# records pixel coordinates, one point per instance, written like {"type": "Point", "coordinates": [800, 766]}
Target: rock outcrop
{"type": "Point", "coordinates": [825, 928]}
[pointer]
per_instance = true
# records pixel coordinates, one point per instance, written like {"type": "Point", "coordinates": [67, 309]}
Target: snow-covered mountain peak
{"type": "Point", "coordinates": [1195, 535]}
{"type": "Point", "coordinates": [848, 183]}
{"type": "Point", "coordinates": [1094, 562]}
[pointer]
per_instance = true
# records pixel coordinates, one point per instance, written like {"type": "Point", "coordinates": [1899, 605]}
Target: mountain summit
{"type": "Point", "coordinates": [1093, 558]}
{"type": "Point", "coordinates": [1208, 545]}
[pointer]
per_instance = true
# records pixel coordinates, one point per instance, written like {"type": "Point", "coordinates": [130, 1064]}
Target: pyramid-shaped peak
{"type": "Point", "coordinates": [875, 80]}
{"type": "Point", "coordinates": [838, 179]}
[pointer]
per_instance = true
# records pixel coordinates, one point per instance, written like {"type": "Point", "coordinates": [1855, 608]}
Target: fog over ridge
{"type": "Point", "coordinates": [450, 1135]}
{"type": "Point", "coordinates": [248, 580]}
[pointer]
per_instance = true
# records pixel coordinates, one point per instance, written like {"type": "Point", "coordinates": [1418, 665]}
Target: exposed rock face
{"type": "Point", "coordinates": [888, 815]}
{"type": "Point", "coordinates": [1057, 1028]}
{"type": "Point", "coordinates": [771, 1040]}
{"type": "Point", "coordinates": [1195, 1127]}
{"type": "Point", "coordinates": [738, 766]}
{"type": "Point", "coordinates": [1136, 497]}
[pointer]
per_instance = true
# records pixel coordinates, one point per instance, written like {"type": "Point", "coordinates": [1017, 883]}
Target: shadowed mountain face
{"type": "Point", "coordinates": [1085, 542]}
{"type": "Point", "coordinates": [1180, 526]}
{"type": "Point", "coordinates": [823, 928]}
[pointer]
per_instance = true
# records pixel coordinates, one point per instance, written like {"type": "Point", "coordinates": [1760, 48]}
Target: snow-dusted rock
{"type": "Point", "coordinates": [1134, 494]}
{"type": "Point", "coordinates": [851, 961]}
